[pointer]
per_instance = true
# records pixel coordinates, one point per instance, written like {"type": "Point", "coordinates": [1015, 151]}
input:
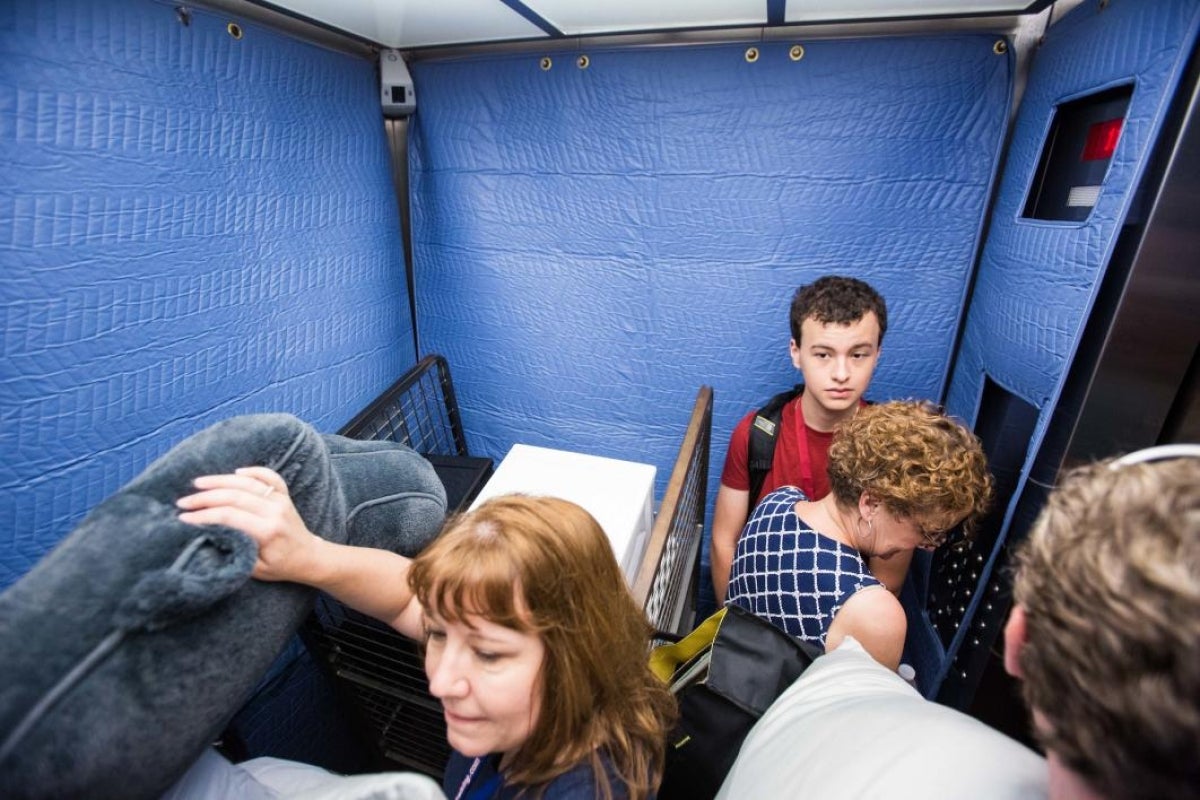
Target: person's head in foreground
{"type": "Point", "coordinates": [903, 475]}
{"type": "Point", "coordinates": [536, 648]}
{"type": "Point", "coordinates": [1105, 630]}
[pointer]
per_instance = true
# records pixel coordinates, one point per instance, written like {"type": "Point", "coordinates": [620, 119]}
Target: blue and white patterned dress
{"type": "Point", "coordinates": [785, 572]}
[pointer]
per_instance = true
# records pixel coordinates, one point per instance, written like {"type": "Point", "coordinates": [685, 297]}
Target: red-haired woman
{"type": "Point", "coordinates": [534, 644]}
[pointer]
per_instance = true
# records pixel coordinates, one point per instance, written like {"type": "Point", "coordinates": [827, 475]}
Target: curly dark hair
{"type": "Point", "coordinates": [837, 300]}
{"type": "Point", "coordinates": [918, 462]}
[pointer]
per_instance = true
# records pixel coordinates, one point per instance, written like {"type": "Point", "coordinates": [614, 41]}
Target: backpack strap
{"type": "Point", "coordinates": [763, 432]}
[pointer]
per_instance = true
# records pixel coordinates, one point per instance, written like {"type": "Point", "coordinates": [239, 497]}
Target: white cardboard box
{"type": "Point", "coordinates": [619, 494]}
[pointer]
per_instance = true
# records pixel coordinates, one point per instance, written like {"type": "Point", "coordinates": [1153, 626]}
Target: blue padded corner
{"type": "Point", "coordinates": [192, 226]}
{"type": "Point", "coordinates": [592, 245]}
{"type": "Point", "coordinates": [1038, 280]}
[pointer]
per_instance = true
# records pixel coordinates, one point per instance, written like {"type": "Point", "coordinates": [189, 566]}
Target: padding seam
{"type": "Point", "coordinates": [392, 497]}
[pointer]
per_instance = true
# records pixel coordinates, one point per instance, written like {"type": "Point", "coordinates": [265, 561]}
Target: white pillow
{"type": "Point", "coordinates": [297, 781]}
{"type": "Point", "coordinates": [850, 727]}
{"type": "Point", "coordinates": [213, 777]}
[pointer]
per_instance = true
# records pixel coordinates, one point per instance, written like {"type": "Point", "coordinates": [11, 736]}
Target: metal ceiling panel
{"type": "Point", "coordinates": [798, 11]}
{"type": "Point", "coordinates": [414, 24]}
{"type": "Point", "coordinates": [406, 24]}
{"type": "Point", "coordinates": [624, 16]}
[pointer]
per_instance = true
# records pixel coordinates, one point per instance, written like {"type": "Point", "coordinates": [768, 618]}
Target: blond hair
{"type": "Point", "coordinates": [1109, 580]}
{"type": "Point", "coordinates": [915, 460]}
{"type": "Point", "coordinates": [544, 565]}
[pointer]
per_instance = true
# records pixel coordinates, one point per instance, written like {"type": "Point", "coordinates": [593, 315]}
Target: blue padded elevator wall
{"type": "Point", "coordinates": [1038, 280]}
{"type": "Point", "coordinates": [593, 244]}
{"type": "Point", "coordinates": [192, 226]}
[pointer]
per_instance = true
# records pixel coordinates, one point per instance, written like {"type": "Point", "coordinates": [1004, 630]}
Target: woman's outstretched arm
{"type": "Point", "coordinates": [255, 501]}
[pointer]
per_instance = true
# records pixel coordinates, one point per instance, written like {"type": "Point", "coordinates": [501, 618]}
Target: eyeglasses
{"type": "Point", "coordinates": [932, 540]}
{"type": "Point", "coordinates": [1159, 453]}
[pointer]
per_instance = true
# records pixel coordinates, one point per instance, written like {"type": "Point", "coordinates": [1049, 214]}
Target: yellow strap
{"type": "Point", "coordinates": [666, 658]}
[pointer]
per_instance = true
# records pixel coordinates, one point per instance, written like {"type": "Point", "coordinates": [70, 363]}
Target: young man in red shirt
{"type": "Point", "coordinates": [837, 327]}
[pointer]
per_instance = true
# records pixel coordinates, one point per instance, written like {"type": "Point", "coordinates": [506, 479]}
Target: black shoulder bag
{"type": "Point", "coordinates": [724, 674]}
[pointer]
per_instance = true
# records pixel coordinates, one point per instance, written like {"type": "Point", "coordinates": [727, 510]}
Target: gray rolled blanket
{"type": "Point", "coordinates": [126, 650]}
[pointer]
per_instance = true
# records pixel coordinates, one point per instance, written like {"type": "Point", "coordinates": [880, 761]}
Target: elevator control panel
{"type": "Point", "coordinates": [1079, 147]}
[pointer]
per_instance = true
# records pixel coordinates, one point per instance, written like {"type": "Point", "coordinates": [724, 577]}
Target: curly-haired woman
{"type": "Point", "coordinates": [902, 475]}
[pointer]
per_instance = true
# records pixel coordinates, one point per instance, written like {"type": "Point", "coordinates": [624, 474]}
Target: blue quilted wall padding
{"type": "Point", "coordinates": [192, 226]}
{"type": "Point", "coordinates": [1038, 280]}
{"type": "Point", "coordinates": [592, 245]}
